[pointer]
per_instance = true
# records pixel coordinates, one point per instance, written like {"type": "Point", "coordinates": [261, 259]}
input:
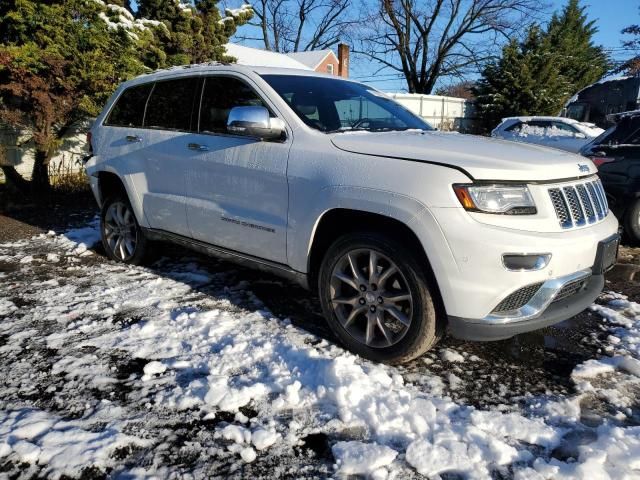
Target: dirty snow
{"type": "Point", "coordinates": [110, 362]}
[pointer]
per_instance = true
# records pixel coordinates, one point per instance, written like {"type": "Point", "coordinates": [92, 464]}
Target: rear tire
{"type": "Point", "coordinates": [632, 223]}
{"type": "Point", "coordinates": [386, 313]}
{"type": "Point", "coordinates": [122, 238]}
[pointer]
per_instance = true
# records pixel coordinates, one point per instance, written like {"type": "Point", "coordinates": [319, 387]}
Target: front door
{"type": "Point", "coordinates": [237, 191]}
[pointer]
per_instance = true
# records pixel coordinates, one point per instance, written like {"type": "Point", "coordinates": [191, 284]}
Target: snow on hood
{"type": "Point", "coordinates": [481, 158]}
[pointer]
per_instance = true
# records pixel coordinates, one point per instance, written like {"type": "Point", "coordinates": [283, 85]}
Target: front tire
{"type": "Point", "coordinates": [122, 238]}
{"type": "Point", "coordinates": [377, 298]}
{"type": "Point", "coordinates": [632, 223]}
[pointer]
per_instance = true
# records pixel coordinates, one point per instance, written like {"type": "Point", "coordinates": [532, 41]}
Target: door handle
{"type": "Point", "coordinates": [133, 139]}
{"type": "Point", "coordinates": [197, 147]}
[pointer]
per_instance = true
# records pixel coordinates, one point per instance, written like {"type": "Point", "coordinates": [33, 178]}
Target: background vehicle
{"type": "Point", "coordinates": [403, 231]}
{"type": "Point", "coordinates": [555, 132]}
{"type": "Point", "coordinates": [595, 102]}
{"type": "Point", "coordinates": [617, 154]}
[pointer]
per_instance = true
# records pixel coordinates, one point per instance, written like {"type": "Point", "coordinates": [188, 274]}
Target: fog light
{"type": "Point", "coordinates": [522, 262]}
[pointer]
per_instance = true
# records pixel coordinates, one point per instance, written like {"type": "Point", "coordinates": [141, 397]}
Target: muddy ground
{"type": "Point", "coordinates": [505, 374]}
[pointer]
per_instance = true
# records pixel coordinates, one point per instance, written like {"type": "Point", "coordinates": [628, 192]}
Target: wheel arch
{"type": "Point", "coordinates": [109, 183]}
{"type": "Point", "coordinates": [339, 221]}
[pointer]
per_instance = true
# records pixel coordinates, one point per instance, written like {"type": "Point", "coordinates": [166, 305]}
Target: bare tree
{"type": "Point", "coordinates": [424, 40]}
{"type": "Point", "coordinates": [300, 25]}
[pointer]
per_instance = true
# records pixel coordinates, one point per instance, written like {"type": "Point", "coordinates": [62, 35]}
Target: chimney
{"type": "Point", "coordinates": [343, 60]}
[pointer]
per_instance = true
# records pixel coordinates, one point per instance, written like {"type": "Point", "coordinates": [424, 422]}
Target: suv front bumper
{"type": "Point", "coordinates": [494, 328]}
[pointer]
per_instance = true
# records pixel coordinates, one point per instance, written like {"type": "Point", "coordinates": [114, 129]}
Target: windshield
{"type": "Point", "coordinates": [626, 131]}
{"type": "Point", "coordinates": [334, 105]}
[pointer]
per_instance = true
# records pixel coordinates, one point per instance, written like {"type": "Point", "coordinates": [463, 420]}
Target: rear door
{"type": "Point", "coordinates": [123, 140]}
{"type": "Point", "coordinates": [169, 122]}
{"type": "Point", "coordinates": [237, 190]}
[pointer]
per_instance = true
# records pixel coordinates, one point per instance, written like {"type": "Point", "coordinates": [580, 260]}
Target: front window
{"type": "Point", "coordinates": [219, 96]}
{"type": "Point", "coordinates": [333, 105]}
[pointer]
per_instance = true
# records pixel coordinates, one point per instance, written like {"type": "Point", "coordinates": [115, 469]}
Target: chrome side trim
{"type": "Point", "coordinates": [539, 302]}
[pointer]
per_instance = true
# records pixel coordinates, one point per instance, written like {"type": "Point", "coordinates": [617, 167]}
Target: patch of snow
{"type": "Point", "coordinates": [248, 454]}
{"type": "Point", "coordinates": [359, 458]}
{"type": "Point", "coordinates": [63, 447]}
{"type": "Point", "coordinates": [225, 351]}
{"type": "Point", "coordinates": [263, 439]}
{"type": "Point", "coordinates": [152, 369]}
{"type": "Point", "coordinates": [452, 356]}
{"type": "Point", "coordinates": [82, 239]}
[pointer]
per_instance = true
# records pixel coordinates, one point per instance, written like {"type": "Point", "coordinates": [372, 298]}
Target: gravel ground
{"type": "Point", "coordinates": [48, 371]}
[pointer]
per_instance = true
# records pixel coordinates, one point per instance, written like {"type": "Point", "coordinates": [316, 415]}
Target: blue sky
{"type": "Point", "coordinates": [611, 17]}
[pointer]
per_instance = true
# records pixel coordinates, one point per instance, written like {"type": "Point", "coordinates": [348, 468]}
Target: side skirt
{"type": "Point", "coordinates": [243, 259]}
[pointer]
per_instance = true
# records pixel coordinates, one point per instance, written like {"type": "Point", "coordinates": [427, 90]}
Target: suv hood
{"type": "Point", "coordinates": [481, 158]}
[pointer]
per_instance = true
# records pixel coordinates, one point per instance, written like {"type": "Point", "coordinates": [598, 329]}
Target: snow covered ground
{"type": "Point", "coordinates": [180, 369]}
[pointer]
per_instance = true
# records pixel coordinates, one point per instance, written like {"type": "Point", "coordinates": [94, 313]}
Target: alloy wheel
{"type": "Point", "coordinates": [120, 231]}
{"type": "Point", "coordinates": [371, 298]}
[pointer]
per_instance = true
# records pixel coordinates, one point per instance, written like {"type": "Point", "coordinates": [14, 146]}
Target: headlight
{"type": "Point", "coordinates": [505, 199]}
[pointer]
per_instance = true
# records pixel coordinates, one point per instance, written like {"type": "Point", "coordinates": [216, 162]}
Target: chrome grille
{"type": "Point", "coordinates": [579, 204]}
{"type": "Point", "coordinates": [575, 208]}
{"type": "Point", "coordinates": [517, 299]}
{"type": "Point", "coordinates": [586, 203]}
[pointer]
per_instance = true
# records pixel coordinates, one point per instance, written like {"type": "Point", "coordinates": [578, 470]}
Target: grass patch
{"type": "Point", "coordinates": [70, 182]}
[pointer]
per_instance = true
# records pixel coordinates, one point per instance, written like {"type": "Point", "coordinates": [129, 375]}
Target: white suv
{"type": "Point", "coordinates": [405, 232]}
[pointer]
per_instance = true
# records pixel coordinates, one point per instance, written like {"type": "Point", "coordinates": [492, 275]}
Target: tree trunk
{"type": "Point", "coordinates": [14, 179]}
{"type": "Point", "coordinates": [40, 175]}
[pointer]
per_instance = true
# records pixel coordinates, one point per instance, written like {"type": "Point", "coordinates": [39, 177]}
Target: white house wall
{"type": "Point", "coordinates": [67, 160]}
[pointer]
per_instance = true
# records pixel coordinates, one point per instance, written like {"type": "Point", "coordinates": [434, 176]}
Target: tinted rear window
{"type": "Point", "coordinates": [129, 108]}
{"type": "Point", "coordinates": [171, 104]}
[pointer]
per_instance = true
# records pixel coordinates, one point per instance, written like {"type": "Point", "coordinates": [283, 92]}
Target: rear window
{"type": "Point", "coordinates": [129, 108]}
{"type": "Point", "coordinates": [170, 106]}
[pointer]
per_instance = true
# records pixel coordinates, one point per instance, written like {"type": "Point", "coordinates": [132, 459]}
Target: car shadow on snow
{"type": "Point", "coordinates": [483, 374]}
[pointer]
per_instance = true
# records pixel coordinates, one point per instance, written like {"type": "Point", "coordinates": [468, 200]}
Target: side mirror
{"type": "Point", "coordinates": [255, 122]}
{"type": "Point", "coordinates": [580, 135]}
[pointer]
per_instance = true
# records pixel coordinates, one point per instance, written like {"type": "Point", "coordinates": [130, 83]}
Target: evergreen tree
{"type": "Point", "coordinates": [59, 62]}
{"type": "Point", "coordinates": [538, 75]}
{"type": "Point", "coordinates": [570, 36]}
{"type": "Point", "coordinates": [195, 33]}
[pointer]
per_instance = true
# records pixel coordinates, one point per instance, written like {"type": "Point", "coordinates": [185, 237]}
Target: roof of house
{"type": "Point", "coordinates": [262, 58]}
{"type": "Point", "coordinates": [312, 58]}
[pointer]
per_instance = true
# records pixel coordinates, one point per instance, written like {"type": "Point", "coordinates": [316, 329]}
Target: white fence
{"type": "Point", "coordinates": [16, 150]}
{"type": "Point", "coordinates": [443, 113]}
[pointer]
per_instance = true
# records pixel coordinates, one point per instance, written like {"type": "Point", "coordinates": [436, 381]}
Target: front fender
{"type": "Point", "coordinates": [305, 218]}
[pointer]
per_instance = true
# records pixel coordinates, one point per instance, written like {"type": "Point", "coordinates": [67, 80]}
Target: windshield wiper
{"type": "Point", "coordinates": [378, 129]}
